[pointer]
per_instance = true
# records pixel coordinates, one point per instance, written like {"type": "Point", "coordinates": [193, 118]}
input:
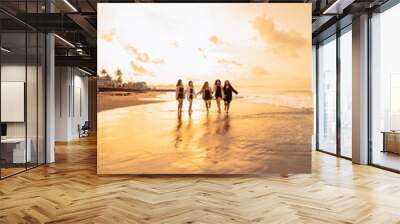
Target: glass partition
{"type": "Point", "coordinates": [13, 95]}
{"type": "Point", "coordinates": [346, 93]}
{"type": "Point", "coordinates": [327, 95]}
{"type": "Point", "coordinates": [385, 89]}
{"type": "Point", "coordinates": [22, 101]}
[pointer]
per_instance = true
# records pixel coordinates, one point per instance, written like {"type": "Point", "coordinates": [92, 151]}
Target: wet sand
{"type": "Point", "coordinates": [252, 139]}
{"type": "Point", "coordinates": [112, 100]}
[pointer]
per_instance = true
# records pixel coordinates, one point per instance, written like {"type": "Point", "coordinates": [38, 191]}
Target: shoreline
{"type": "Point", "coordinates": [107, 90]}
{"type": "Point", "coordinates": [113, 100]}
{"type": "Point", "coordinates": [110, 100]}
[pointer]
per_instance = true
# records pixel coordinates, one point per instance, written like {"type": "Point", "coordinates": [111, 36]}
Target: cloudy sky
{"type": "Point", "coordinates": [266, 45]}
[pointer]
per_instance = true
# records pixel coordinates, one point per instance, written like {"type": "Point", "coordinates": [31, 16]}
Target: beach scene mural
{"type": "Point", "coordinates": [204, 88]}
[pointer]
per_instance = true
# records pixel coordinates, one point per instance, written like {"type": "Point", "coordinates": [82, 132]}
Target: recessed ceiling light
{"type": "Point", "coordinates": [337, 7]}
{"type": "Point", "coordinates": [70, 5]}
{"type": "Point", "coordinates": [84, 71]}
{"type": "Point", "coordinates": [64, 40]}
{"type": "Point", "coordinates": [5, 50]}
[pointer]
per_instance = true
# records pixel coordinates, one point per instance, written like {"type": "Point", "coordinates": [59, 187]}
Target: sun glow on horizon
{"type": "Point", "coordinates": [249, 44]}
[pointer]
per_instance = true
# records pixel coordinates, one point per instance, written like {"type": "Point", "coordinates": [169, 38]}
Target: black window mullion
{"type": "Point", "coordinates": [317, 96]}
{"type": "Point", "coordinates": [338, 91]}
{"type": "Point", "coordinates": [369, 90]}
{"type": "Point", "coordinates": [37, 90]}
{"type": "Point", "coordinates": [26, 87]}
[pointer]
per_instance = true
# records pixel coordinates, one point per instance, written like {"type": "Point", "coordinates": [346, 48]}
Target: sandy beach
{"type": "Point", "coordinates": [112, 100]}
{"type": "Point", "coordinates": [252, 139]}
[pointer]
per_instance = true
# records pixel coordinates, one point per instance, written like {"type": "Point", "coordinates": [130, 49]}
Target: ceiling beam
{"type": "Point", "coordinates": [77, 61]}
{"type": "Point", "coordinates": [84, 24]}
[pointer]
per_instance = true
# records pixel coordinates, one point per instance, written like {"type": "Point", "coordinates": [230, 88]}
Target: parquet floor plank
{"type": "Point", "coordinates": [70, 191]}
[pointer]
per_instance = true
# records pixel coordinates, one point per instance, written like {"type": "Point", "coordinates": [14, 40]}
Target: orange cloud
{"type": "Point", "coordinates": [230, 62]}
{"type": "Point", "coordinates": [288, 43]}
{"type": "Point", "coordinates": [108, 36]}
{"type": "Point", "coordinates": [214, 39]}
{"type": "Point", "coordinates": [258, 71]}
{"type": "Point", "coordinates": [137, 68]}
{"type": "Point", "coordinates": [202, 52]}
{"type": "Point", "coordinates": [142, 57]}
{"type": "Point", "coordinates": [158, 61]}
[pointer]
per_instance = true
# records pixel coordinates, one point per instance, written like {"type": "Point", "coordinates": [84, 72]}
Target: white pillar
{"type": "Point", "coordinates": [50, 99]}
{"type": "Point", "coordinates": [360, 89]}
{"type": "Point", "coordinates": [63, 103]}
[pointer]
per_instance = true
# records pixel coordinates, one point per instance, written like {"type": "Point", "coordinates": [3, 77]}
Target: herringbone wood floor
{"type": "Point", "coordinates": [69, 191]}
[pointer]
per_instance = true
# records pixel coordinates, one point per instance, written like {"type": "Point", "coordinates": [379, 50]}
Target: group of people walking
{"type": "Point", "coordinates": [218, 92]}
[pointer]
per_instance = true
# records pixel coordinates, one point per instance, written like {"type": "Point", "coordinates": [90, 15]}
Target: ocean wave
{"type": "Point", "coordinates": [286, 99]}
{"type": "Point", "coordinates": [299, 101]}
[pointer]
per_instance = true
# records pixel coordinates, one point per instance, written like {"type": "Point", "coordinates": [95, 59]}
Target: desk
{"type": "Point", "coordinates": [391, 141]}
{"type": "Point", "coordinates": [17, 150]}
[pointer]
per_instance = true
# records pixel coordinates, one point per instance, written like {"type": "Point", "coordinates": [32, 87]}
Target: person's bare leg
{"type": "Point", "coordinates": [190, 106]}
{"type": "Point", "coordinates": [219, 105]}
{"type": "Point", "coordinates": [227, 107]}
{"type": "Point", "coordinates": [180, 105]}
{"type": "Point", "coordinates": [206, 103]}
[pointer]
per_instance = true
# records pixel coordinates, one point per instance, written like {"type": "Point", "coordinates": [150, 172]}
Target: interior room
{"type": "Point", "coordinates": [22, 101]}
{"type": "Point", "coordinates": [53, 98]}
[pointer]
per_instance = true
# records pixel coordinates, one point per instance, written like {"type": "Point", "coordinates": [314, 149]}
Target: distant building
{"type": "Point", "coordinates": [106, 82]}
{"type": "Point", "coordinates": [136, 85]}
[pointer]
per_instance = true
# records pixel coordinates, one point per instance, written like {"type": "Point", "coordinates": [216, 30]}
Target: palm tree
{"type": "Point", "coordinates": [103, 72]}
{"type": "Point", "coordinates": [118, 75]}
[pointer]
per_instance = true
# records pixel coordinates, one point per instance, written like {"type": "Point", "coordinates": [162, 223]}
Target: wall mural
{"type": "Point", "coordinates": [204, 88]}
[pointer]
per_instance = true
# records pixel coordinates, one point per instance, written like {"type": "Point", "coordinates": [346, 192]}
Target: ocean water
{"type": "Point", "coordinates": [293, 99]}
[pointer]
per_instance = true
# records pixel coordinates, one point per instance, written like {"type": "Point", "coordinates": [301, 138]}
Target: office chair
{"type": "Point", "coordinates": [84, 130]}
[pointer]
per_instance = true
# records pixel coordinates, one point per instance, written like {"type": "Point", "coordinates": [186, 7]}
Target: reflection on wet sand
{"type": "Point", "coordinates": [153, 139]}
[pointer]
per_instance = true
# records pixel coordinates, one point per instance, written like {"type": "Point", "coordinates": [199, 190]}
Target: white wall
{"type": "Point", "coordinates": [13, 73]}
{"type": "Point", "coordinates": [62, 82]}
{"type": "Point", "coordinates": [71, 102]}
{"type": "Point", "coordinates": [33, 127]}
{"type": "Point", "coordinates": [80, 110]}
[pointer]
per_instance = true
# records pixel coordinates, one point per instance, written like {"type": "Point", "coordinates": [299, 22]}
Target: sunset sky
{"type": "Point", "coordinates": [265, 45]}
